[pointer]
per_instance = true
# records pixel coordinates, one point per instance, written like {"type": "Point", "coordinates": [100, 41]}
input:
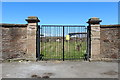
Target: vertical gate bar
{"type": "Point", "coordinates": [85, 42]}
{"type": "Point", "coordinates": [84, 50]}
{"type": "Point", "coordinates": [69, 43]}
{"type": "Point", "coordinates": [89, 29]}
{"type": "Point", "coordinates": [50, 42]}
{"type": "Point", "coordinates": [45, 39]}
{"type": "Point", "coordinates": [44, 42]}
{"type": "Point", "coordinates": [87, 52]}
{"type": "Point", "coordinates": [81, 42]}
{"type": "Point", "coordinates": [40, 39]}
{"type": "Point", "coordinates": [56, 41]}
{"type": "Point", "coordinates": [63, 43]}
{"type": "Point", "coordinates": [55, 28]}
{"type": "Point", "coordinates": [59, 43]}
{"type": "Point", "coordinates": [38, 43]}
{"type": "Point", "coordinates": [74, 44]}
{"type": "Point", "coordinates": [88, 43]}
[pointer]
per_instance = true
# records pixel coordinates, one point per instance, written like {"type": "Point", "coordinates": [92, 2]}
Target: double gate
{"type": "Point", "coordinates": [62, 42]}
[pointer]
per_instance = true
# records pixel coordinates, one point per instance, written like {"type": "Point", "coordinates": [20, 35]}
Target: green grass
{"type": "Point", "coordinates": [54, 50]}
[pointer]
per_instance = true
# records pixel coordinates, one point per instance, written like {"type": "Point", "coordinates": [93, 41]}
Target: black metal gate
{"type": "Point", "coordinates": [62, 42]}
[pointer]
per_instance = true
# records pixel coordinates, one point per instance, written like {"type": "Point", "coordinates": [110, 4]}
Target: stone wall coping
{"type": "Point", "coordinates": [12, 25]}
{"type": "Point", "coordinates": [110, 26]}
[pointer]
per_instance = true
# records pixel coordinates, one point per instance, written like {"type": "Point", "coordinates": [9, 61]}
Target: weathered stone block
{"type": "Point", "coordinates": [13, 41]}
{"type": "Point", "coordinates": [109, 47]}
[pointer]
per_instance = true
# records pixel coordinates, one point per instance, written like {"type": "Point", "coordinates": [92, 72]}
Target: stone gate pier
{"type": "Point", "coordinates": [94, 24]}
{"type": "Point", "coordinates": [31, 36]}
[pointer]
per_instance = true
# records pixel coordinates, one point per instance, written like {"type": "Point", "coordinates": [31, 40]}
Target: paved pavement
{"type": "Point", "coordinates": [60, 69]}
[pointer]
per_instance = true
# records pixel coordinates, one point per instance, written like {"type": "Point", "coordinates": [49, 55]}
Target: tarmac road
{"type": "Point", "coordinates": [60, 69]}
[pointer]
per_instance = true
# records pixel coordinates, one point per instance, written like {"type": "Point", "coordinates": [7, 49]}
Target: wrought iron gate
{"type": "Point", "coordinates": [62, 42]}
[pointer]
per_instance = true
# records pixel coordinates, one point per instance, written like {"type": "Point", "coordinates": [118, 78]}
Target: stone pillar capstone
{"type": "Point", "coordinates": [31, 36]}
{"type": "Point", "coordinates": [94, 26]}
